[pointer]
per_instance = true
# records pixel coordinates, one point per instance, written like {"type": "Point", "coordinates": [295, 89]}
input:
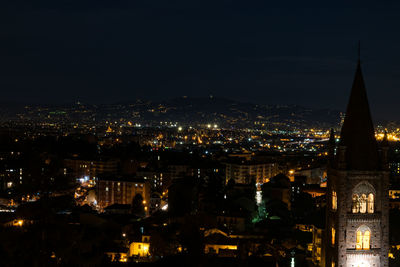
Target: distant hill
{"type": "Point", "coordinates": [225, 111]}
{"type": "Point", "coordinates": [183, 110]}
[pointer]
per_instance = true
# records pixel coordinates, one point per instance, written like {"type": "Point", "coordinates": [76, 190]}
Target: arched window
{"type": "Point", "coordinates": [363, 238]}
{"type": "Point", "coordinates": [366, 239]}
{"type": "Point", "coordinates": [363, 198]}
{"type": "Point", "coordinates": [356, 204]}
{"type": "Point", "coordinates": [333, 231]}
{"type": "Point", "coordinates": [334, 200]}
{"type": "Point", "coordinates": [370, 206]}
{"type": "Point", "coordinates": [363, 203]}
{"type": "Point", "coordinates": [359, 240]}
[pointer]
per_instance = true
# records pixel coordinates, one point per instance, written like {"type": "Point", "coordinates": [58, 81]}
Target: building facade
{"type": "Point", "coordinates": [117, 190]}
{"type": "Point", "coordinates": [91, 168]}
{"type": "Point", "coordinates": [245, 171]}
{"type": "Point", "coordinates": [317, 245]}
{"type": "Point", "coordinates": [357, 227]}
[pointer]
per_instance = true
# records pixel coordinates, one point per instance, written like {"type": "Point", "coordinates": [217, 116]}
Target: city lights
{"type": "Point", "coordinates": [199, 135]}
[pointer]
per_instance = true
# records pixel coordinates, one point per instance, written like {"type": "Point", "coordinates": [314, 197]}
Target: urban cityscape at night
{"type": "Point", "coordinates": [147, 133]}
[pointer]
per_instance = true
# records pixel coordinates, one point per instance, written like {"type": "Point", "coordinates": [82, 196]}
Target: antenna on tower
{"type": "Point", "coordinates": [359, 50]}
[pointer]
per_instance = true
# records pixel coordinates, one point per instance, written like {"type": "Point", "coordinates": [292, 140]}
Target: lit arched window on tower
{"type": "Point", "coordinates": [333, 236]}
{"type": "Point", "coordinates": [356, 204]}
{"type": "Point", "coordinates": [363, 200]}
{"type": "Point", "coordinates": [334, 200]}
{"type": "Point", "coordinates": [359, 240]}
{"type": "Point", "coordinates": [363, 203]}
{"type": "Point", "coordinates": [366, 239]}
{"type": "Point", "coordinates": [363, 238]}
{"type": "Point", "coordinates": [370, 203]}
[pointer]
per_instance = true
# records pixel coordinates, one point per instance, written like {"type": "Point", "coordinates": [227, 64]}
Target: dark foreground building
{"type": "Point", "coordinates": [357, 228]}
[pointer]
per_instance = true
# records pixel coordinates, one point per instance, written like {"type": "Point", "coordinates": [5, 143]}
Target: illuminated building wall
{"type": "Point", "coordinates": [244, 172]}
{"type": "Point", "coordinates": [317, 245]}
{"type": "Point", "coordinates": [218, 248]}
{"type": "Point", "coordinates": [219, 243]}
{"type": "Point", "coordinates": [140, 248]}
{"type": "Point", "coordinates": [121, 191]}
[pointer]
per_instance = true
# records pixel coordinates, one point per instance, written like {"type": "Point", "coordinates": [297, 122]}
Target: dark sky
{"type": "Point", "coordinates": [98, 51]}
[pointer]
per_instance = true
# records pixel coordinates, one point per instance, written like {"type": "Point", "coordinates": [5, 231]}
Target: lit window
{"type": "Point", "coordinates": [356, 204]}
{"type": "Point", "coordinates": [363, 240]}
{"type": "Point", "coordinates": [370, 203]}
{"type": "Point", "coordinates": [363, 203]}
{"type": "Point", "coordinates": [359, 240]}
{"type": "Point", "coordinates": [333, 236]}
{"type": "Point", "coordinates": [366, 239]}
{"type": "Point", "coordinates": [334, 200]}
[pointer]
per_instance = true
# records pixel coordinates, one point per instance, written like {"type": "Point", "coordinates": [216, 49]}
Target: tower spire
{"type": "Point", "coordinates": [359, 52]}
{"type": "Point", "coordinates": [358, 134]}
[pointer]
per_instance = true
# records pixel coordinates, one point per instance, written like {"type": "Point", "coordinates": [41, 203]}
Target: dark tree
{"type": "Point", "coordinates": [182, 196]}
{"type": "Point", "coordinates": [137, 206]}
{"type": "Point", "coordinates": [191, 238]}
{"type": "Point", "coordinates": [302, 205]}
{"type": "Point", "coordinates": [163, 242]}
{"type": "Point", "coordinates": [211, 194]}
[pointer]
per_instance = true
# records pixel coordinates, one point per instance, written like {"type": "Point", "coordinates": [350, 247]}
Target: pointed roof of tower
{"type": "Point", "coordinates": [358, 134]}
{"type": "Point", "coordinates": [385, 142]}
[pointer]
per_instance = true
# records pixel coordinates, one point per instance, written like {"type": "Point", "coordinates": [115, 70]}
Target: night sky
{"type": "Point", "coordinates": [100, 51]}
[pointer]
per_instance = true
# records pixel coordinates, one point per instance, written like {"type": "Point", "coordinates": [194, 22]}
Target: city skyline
{"type": "Point", "coordinates": [103, 52]}
{"type": "Point", "coordinates": [199, 133]}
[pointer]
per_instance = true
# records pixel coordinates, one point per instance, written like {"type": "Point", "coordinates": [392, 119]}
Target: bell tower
{"type": "Point", "coordinates": [357, 224]}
